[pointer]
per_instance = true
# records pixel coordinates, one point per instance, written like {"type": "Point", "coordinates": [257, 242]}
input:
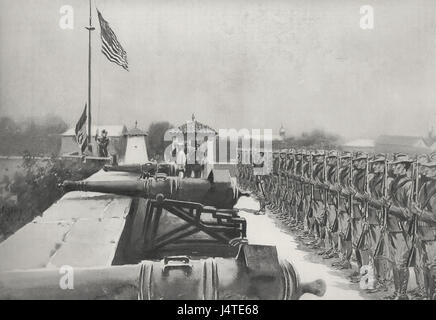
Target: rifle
{"type": "Point", "coordinates": [380, 244]}
{"type": "Point", "coordinates": [288, 190]}
{"type": "Point", "coordinates": [300, 205]}
{"type": "Point", "coordinates": [326, 209]}
{"type": "Point", "coordinates": [293, 181]}
{"type": "Point", "coordinates": [310, 211]}
{"type": "Point", "coordinates": [365, 223]}
{"type": "Point", "coordinates": [350, 202]}
{"type": "Point", "coordinates": [293, 184]}
{"type": "Point", "coordinates": [411, 259]}
{"type": "Point", "coordinates": [279, 181]}
{"type": "Point", "coordinates": [285, 192]}
{"type": "Point", "coordinates": [334, 227]}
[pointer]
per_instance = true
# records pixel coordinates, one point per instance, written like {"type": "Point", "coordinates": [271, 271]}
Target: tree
{"type": "Point", "coordinates": [37, 137]}
{"type": "Point", "coordinates": [316, 139]}
{"type": "Point", "coordinates": [155, 139]}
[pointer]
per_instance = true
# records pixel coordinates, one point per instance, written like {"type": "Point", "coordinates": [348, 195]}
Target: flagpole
{"type": "Point", "coordinates": [90, 28]}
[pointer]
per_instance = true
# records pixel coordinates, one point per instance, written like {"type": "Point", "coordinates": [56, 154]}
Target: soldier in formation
{"type": "Point", "coordinates": [374, 214]}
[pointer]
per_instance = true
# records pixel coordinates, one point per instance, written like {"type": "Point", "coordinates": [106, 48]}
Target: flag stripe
{"type": "Point", "coordinates": [113, 58]}
{"type": "Point", "coordinates": [113, 54]}
{"type": "Point", "coordinates": [111, 47]}
{"type": "Point", "coordinates": [106, 42]}
{"type": "Point", "coordinates": [81, 136]}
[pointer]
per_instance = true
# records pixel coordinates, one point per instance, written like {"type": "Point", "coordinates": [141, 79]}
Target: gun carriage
{"type": "Point", "coordinates": [183, 239]}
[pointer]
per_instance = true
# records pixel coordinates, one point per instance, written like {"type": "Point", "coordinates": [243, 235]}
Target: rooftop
{"type": "Point", "coordinates": [195, 126]}
{"type": "Point", "coordinates": [135, 131]}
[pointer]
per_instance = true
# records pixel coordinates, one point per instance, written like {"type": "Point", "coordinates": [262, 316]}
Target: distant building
{"type": "Point", "coordinates": [406, 144]}
{"type": "Point", "coordinates": [116, 134]}
{"type": "Point", "coordinates": [136, 150]}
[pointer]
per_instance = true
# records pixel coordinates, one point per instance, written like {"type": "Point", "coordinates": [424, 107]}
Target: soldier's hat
{"type": "Point", "coordinates": [298, 152]}
{"type": "Point", "coordinates": [380, 157]}
{"type": "Point", "coordinates": [346, 155]}
{"type": "Point", "coordinates": [359, 156]}
{"type": "Point", "coordinates": [431, 160]}
{"type": "Point", "coordinates": [332, 154]}
{"type": "Point", "coordinates": [422, 159]}
{"type": "Point", "coordinates": [291, 150]}
{"type": "Point", "coordinates": [401, 158]}
{"type": "Point", "coordinates": [284, 151]}
{"type": "Point", "coordinates": [317, 153]}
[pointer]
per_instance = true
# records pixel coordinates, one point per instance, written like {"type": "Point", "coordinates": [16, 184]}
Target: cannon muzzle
{"type": "Point", "coordinates": [296, 288]}
{"type": "Point", "coordinates": [317, 287]}
{"type": "Point", "coordinates": [124, 188]}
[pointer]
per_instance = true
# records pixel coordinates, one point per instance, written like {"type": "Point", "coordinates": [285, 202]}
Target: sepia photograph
{"type": "Point", "coordinates": [185, 150]}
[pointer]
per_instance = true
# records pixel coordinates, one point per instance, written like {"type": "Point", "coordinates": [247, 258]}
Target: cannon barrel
{"type": "Point", "coordinates": [133, 168]}
{"type": "Point", "coordinates": [220, 195]}
{"type": "Point", "coordinates": [177, 278]}
{"type": "Point", "coordinates": [150, 168]}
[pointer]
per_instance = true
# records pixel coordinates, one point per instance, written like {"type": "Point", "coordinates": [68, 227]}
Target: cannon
{"type": "Point", "coordinates": [143, 170]}
{"type": "Point", "coordinates": [177, 215]}
{"type": "Point", "coordinates": [218, 190]}
{"type": "Point", "coordinates": [255, 273]}
{"type": "Point", "coordinates": [182, 239]}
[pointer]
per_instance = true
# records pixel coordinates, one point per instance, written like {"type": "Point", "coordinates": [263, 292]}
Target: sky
{"type": "Point", "coordinates": [303, 64]}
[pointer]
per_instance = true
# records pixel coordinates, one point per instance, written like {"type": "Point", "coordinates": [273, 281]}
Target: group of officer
{"type": "Point", "coordinates": [378, 210]}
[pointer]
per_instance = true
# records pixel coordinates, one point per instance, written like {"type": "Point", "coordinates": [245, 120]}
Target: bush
{"type": "Point", "coordinates": [37, 189]}
{"type": "Point", "coordinates": [155, 139]}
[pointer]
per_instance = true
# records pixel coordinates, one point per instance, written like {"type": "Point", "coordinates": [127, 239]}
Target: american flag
{"type": "Point", "coordinates": [81, 135]}
{"type": "Point", "coordinates": [111, 48]}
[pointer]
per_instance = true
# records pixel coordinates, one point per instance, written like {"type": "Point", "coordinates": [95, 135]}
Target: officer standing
{"type": "Point", "coordinates": [275, 180]}
{"type": "Point", "coordinates": [102, 144]}
{"type": "Point", "coordinates": [259, 171]}
{"type": "Point", "coordinates": [181, 161]}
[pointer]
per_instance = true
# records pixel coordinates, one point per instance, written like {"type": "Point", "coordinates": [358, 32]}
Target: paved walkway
{"type": "Point", "coordinates": [265, 229]}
